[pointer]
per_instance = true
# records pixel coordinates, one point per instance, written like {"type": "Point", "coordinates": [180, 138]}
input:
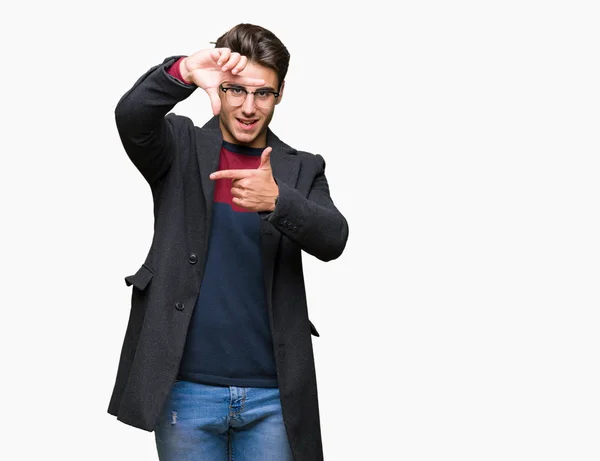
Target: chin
{"type": "Point", "coordinates": [247, 137]}
{"type": "Point", "coordinates": [244, 138]}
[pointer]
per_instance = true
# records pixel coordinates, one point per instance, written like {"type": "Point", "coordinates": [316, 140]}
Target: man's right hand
{"type": "Point", "coordinates": [209, 68]}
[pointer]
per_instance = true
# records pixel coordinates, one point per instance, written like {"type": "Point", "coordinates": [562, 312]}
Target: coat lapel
{"type": "Point", "coordinates": [286, 166]}
{"type": "Point", "coordinates": [208, 152]}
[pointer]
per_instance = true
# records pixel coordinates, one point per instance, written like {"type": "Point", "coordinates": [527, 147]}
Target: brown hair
{"type": "Point", "coordinates": [259, 45]}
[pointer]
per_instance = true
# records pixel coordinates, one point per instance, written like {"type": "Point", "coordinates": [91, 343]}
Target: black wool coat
{"type": "Point", "coordinates": [176, 158]}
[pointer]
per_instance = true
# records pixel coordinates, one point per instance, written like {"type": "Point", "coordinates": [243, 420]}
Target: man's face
{"type": "Point", "coordinates": [247, 124]}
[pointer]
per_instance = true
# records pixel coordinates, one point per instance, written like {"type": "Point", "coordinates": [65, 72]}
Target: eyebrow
{"type": "Point", "coordinates": [263, 88]}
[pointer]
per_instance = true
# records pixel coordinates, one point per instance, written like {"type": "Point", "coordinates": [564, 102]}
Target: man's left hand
{"type": "Point", "coordinates": [255, 190]}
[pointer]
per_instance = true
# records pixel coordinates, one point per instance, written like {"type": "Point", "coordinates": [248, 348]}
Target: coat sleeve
{"type": "Point", "coordinates": [147, 135]}
{"type": "Point", "coordinates": [313, 222]}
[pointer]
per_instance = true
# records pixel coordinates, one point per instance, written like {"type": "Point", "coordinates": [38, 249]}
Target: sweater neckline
{"type": "Point", "coordinates": [244, 150]}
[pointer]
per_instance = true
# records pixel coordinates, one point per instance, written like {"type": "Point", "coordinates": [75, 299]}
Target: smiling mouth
{"type": "Point", "coordinates": [247, 124]}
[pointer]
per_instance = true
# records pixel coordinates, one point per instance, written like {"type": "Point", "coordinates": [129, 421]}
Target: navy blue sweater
{"type": "Point", "coordinates": [229, 341]}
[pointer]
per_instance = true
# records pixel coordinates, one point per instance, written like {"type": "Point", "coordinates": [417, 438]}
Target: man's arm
{"type": "Point", "coordinates": [146, 135]}
{"type": "Point", "coordinates": [313, 222]}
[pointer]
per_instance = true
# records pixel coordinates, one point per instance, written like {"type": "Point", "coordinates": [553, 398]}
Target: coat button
{"type": "Point", "coordinates": [193, 258]}
{"type": "Point", "coordinates": [179, 306]}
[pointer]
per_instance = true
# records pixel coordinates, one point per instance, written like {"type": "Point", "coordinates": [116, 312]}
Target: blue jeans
{"type": "Point", "coordinates": [221, 423]}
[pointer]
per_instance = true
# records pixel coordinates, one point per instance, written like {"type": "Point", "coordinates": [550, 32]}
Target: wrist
{"type": "Point", "coordinates": [276, 194]}
{"type": "Point", "coordinates": [185, 75]}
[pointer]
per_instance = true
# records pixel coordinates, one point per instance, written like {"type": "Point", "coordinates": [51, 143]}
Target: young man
{"type": "Point", "coordinates": [217, 358]}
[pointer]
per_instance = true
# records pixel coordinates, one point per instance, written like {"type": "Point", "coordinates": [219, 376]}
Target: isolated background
{"type": "Point", "coordinates": [461, 141]}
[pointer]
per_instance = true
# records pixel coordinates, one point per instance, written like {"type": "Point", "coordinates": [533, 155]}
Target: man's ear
{"type": "Point", "coordinates": [280, 93]}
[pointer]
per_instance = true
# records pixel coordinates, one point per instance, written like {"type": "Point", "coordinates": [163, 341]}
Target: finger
{"type": "Point", "coordinates": [234, 58]}
{"type": "Point", "coordinates": [215, 101]}
{"type": "Point", "coordinates": [224, 54]}
{"type": "Point", "coordinates": [238, 201]}
{"type": "Point", "coordinates": [231, 174]}
{"type": "Point", "coordinates": [241, 79]}
{"type": "Point", "coordinates": [215, 54]}
{"type": "Point", "coordinates": [265, 158]}
{"type": "Point", "coordinates": [238, 183]}
{"type": "Point", "coordinates": [240, 65]}
{"type": "Point", "coordinates": [236, 189]}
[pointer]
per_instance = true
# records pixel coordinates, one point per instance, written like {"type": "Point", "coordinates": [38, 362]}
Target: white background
{"type": "Point", "coordinates": [461, 141]}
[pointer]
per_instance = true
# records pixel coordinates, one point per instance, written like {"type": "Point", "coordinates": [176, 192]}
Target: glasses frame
{"type": "Point", "coordinates": [241, 88]}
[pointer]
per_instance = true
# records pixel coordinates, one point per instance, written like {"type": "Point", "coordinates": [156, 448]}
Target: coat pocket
{"type": "Point", "coordinates": [141, 278]}
{"type": "Point", "coordinates": [313, 330]}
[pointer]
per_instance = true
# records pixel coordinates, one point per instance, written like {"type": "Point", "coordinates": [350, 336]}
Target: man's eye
{"type": "Point", "coordinates": [262, 94]}
{"type": "Point", "coordinates": [236, 91]}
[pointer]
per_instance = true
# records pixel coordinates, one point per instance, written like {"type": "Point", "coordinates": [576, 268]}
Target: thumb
{"type": "Point", "coordinates": [265, 159]}
{"type": "Point", "coordinates": [215, 101]}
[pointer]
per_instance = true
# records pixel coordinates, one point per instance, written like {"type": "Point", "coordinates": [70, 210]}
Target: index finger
{"type": "Point", "coordinates": [241, 79]}
{"type": "Point", "coordinates": [231, 174]}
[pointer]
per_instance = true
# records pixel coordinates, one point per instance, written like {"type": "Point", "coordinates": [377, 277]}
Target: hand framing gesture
{"type": "Point", "coordinates": [209, 68]}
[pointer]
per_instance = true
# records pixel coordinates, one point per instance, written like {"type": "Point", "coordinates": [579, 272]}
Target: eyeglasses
{"type": "Point", "coordinates": [236, 95]}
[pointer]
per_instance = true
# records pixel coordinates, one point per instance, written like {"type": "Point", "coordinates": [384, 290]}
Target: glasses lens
{"type": "Point", "coordinates": [264, 100]}
{"type": "Point", "coordinates": [235, 97]}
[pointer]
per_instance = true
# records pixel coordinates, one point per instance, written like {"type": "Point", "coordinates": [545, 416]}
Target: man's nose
{"type": "Point", "coordinates": [249, 107]}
